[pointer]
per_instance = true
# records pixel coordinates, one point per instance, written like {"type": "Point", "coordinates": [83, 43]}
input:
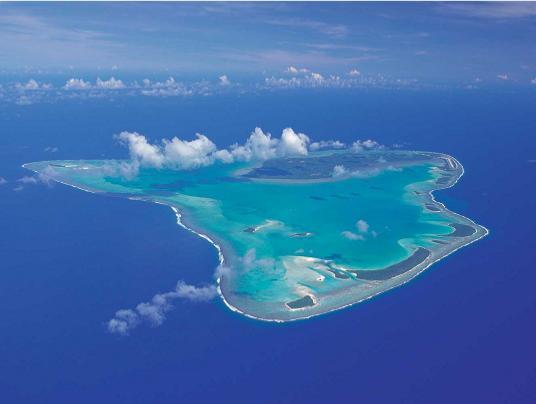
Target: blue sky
{"type": "Point", "coordinates": [428, 43]}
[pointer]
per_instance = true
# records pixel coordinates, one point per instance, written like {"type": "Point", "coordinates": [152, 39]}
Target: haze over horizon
{"type": "Point", "coordinates": [271, 44]}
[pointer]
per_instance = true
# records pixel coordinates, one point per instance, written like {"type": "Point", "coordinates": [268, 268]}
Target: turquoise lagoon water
{"type": "Point", "coordinates": [290, 240]}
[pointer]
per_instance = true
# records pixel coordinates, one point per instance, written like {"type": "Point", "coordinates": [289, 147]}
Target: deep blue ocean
{"type": "Point", "coordinates": [463, 332]}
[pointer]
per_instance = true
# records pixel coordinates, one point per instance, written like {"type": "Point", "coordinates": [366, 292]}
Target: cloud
{"type": "Point", "coordinates": [327, 144]}
{"type": "Point", "coordinates": [362, 226]}
{"type": "Point", "coordinates": [492, 10]}
{"type": "Point", "coordinates": [154, 311]}
{"type": "Point", "coordinates": [167, 88]}
{"type": "Point", "coordinates": [362, 145]}
{"type": "Point", "coordinates": [45, 177]}
{"type": "Point", "coordinates": [354, 73]}
{"type": "Point", "coordinates": [224, 80]}
{"type": "Point", "coordinates": [292, 143]}
{"type": "Point", "coordinates": [141, 150]}
{"type": "Point", "coordinates": [32, 84]}
{"type": "Point", "coordinates": [339, 171]}
{"type": "Point", "coordinates": [310, 80]}
{"type": "Point", "coordinates": [259, 146]}
{"type": "Point", "coordinates": [351, 235]}
{"type": "Point", "coordinates": [502, 76]}
{"type": "Point", "coordinates": [533, 81]}
{"type": "Point", "coordinates": [334, 30]}
{"type": "Point", "coordinates": [317, 80]}
{"type": "Point", "coordinates": [51, 149]}
{"type": "Point", "coordinates": [295, 70]}
{"type": "Point", "coordinates": [28, 180]}
{"type": "Point", "coordinates": [184, 154]}
{"type": "Point", "coordinates": [77, 84]}
{"type": "Point", "coordinates": [111, 84]}
{"type": "Point", "coordinates": [3, 181]}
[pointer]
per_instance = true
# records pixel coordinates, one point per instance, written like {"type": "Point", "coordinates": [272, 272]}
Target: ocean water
{"type": "Point", "coordinates": [286, 240]}
{"type": "Point", "coordinates": [462, 330]}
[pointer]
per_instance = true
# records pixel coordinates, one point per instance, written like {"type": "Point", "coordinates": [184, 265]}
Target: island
{"type": "Point", "coordinates": [303, 235]}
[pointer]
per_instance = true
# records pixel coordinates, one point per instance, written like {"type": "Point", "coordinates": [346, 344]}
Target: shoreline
{"type": "Point", "coordinates": [221, 254]}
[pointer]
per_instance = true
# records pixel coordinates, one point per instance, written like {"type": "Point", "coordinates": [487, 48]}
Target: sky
{"type": "Point", "coordinates": [462, 44]}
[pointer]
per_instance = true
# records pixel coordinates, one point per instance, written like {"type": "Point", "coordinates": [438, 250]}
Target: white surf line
{"type": "Point", "coordinates": [430, 263]}
{"type": "Point", "coordinates": [222, 259]}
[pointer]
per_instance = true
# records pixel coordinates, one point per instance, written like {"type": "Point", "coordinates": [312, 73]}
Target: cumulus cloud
{"type": "Point", "coordinates": [502, 76]}
{"type": "Point", "coordinates": [184, 154]}
{"type": "Point", "coordinates": [533, 81]}
{"type": "Point", "coordinates": [167, 88]}
{"type": "Point", "coordinates": [32, 85]}
{"type": "Point", "coordinates": [361, 145]}
{"type": "Point", "coordinates": [51, 149]}
{"type": "Point", "coordinates": [259, 146]}
{"type": "Point", "coordinates": [362, 226]}
{"type": "Point", "coordinates": [111, 84]}
{"type": "Point", "coordinates": [292, 143]}
{"type": "Point", "coordinates": [154, 312]}
{"type": "Point", "coordinates": [354, 73]}
{"type": "Point", "coordinates": [327, 144]}
{"type": "Point", "coordinates": [141, 150]}
{"type": "Point", "coordinates": [296, 70]}
{"type": "Point", "coordinates": [224, 80]}
{"type": "Point", "coordinates": [339, 171]}
{"type": "Point", "coordinates": [3, 181]}
{"type": "Point", "coordinates": [77, 84]}
{"type": "Point", "coordinates": [351, 235]}
{"type": "Point", "coordinates": [292, 70]}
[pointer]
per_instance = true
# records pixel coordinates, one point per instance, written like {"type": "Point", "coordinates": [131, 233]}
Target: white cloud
{"type": "Point", "coordinates": [339, 171]}
{"type": "Point", "coordinates": [123, 322]}
{"type": "Point", "coordinates": [45, 177]}
{"type": "Point", "coordinates": [362, 226]}
{"type": "Point", "coordinates": [141, 150]}
{"type": "Point", "coordinates": [317, 77]}
{"type": "Point", "coordinates": [296, 70]}
{"type": "Point", "coordinates": [292, 143]}
{"type": "Point", "coordinates": [351, 235]}
{"type": "Point", "coordinates": [327, 144]}
{"type": "Point", "coordinates": [188, 154]}
{"type": "Point", "coordinates": [154, 311]}
{"type": "Point", "coordinates": [168, 88]}
{"type": "Point", "coordinates": [494, 10]}
{"type": "Point", "coordinates": [224, 80]}
{"type": "Point", "coordinates": [3, 181]}
{"type": "Point", "coordinates": [259, 146]}
{"type": "Point", "coordinates": [28, 180]}
{"type": "Point", "coordinates": [354, 73]}
{"type": "Point", "coordinates": [502, 76]}
{"type": "Point", "coordinates": [77, 84]}
{"type": "Point", "coordinates": [185, 154]}
{"type": "Point", "coordinates": [51, 149]}
{"type": "Point", "coordinates": [32, 85]}
{"type": "Point", "coordinates": [312, 80]}
{"type": "Point", "coordinates": [361, 145]}
{"type": "Point", "coordinates": [111, 84]}
{"type": "Point", "coordinates": [292, 70]}
{"type": "Point", "coordinates": [533, 81]}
